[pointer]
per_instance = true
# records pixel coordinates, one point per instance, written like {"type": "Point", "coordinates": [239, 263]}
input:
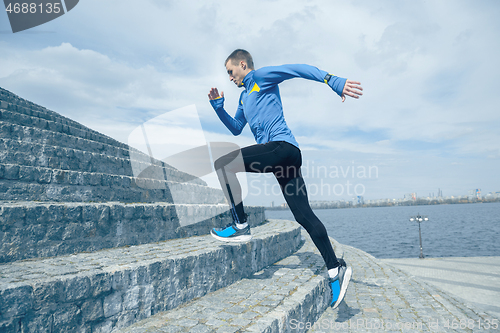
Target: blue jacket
{"type": "Point", "coordinates": [260, 103]}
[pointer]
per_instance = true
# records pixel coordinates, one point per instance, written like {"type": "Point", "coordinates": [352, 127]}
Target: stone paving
{"type": "Point", "coordinates": [382, 297]}
{"type": "Point", "coordinates": [472, 280]}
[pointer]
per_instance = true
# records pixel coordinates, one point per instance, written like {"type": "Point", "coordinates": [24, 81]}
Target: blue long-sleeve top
{"type": "Point", "coordinates": [260, 103]}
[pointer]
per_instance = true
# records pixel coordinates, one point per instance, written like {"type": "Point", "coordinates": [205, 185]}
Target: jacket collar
{"type": "Point", "coordinates": [248, 79]}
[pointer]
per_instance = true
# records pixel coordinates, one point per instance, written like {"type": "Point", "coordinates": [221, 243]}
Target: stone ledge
{"type": "Point", "coordinates": [47, 175]}
{"type": "Point", "coordinates": [127, 190]}
{"type": "Point", "coordinates": [36, 155]}
{"type": "Point", "coordinates": [24, 116]}
{"type": "Point", "coordinates": [35, 229]}
{"type": "Point", "coordinates": [115, 288]}
{"type": "Point", "coordinates": [34, 134]}
{"type": "Point", "coordinates": [9, 100]}
{"type": "Point", "coordinates": [292, 290]}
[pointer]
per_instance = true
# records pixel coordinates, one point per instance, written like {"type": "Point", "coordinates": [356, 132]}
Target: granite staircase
{"type": "Point", "coordinates": [87, 246]}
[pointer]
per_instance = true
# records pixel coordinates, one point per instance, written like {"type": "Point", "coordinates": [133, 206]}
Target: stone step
{"type": "Point", "coordinates": [97, 292]}
{"type": "Point", "coordinates": [24, 153]}
{"type": "Point", "coordinates": [9, 98]}
{"type": "Point", "coordinates": [275, 299]}
{"type": "Point", "coordinates": [34, 134]}
{"type": "Point", "coordinates": [19, 111]}
{"type": "Point", "coordinates": [25, 127]}
{"type": "Point", "coordinates": [64, 186]}
{"type": "Point", "coordinates": [43, 175]}
{"type": "Point", "coordinates": [34, 229]}
{"type": "Point", "coordinates": [14, 117]}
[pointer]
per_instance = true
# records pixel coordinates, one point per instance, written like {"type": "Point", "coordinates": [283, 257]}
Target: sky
{"type": "Point", "coordinates": [428, 118]}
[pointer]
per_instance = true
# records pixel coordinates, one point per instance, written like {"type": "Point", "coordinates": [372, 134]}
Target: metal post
{"type": "Point", "coordinates": [420, 236]}
{"type": "Point", "coordinates": [419, 219]}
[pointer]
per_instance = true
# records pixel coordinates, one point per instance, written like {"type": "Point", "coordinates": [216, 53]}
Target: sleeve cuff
{"type": "Point", "coordinates": [217, 103]}
{"type": "Point", "coordinates": [336, 83]}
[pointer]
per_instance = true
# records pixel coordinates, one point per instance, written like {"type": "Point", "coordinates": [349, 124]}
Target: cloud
{"type": "Point", "coordinates": [428, 69]}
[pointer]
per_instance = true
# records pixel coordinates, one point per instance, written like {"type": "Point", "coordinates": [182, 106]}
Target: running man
{"type": "Point", "coordinates": [276, 151]}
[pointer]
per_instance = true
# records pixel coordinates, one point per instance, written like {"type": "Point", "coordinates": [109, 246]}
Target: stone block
{"type": "Point", "coordinates": [12, 214]}
{"type": "Point", "coordinates": [104, 327]}
{"type": "Point", "coordinates": [55, 233]}
{"type": "Point", "coordinates": [47, 293]}
{"type": "Point", "coordinates": [11, 172]}
{"type": "Point", "coordinates": [75, 178]}
{"type": "Point", "coordinates": [120, 280]}
{"type": "Point", "coordinates": [116, 212]}
{"type": "Point", "coordinates": [103, 215]}
{"type": "Point", "coordinates": [67, 318]}
{"type": "Point", "coordinates": [60, 177]}
{"type": "Point", "coordinates": [16, 301]}
{"type": "Point", "coordinates": [147, 297]}
{"type": "Point", "coordinates": [92, 310]}
{"type": "Point", "coordinates": [139, 276]}
{"type": "Point", "coordinates": [130, 212]}
{"type": "Point", "coordinates": [73, 213]}
{"type": "Point", "coordinates": [131, 298]}
{"type": "Point", "coordinates": [72, 231]}
{"type": "Point", "coordinates": [90, 213]}
{"type": "Point", "coordinates": [37, 214]}
{"type": "Point", "coordinates": [42, 322]}
{"type": "Point", "coordinates": [100, 284]}
{"type": "Point", "coordinates": [76, 288]}
{"type": "Point", "coordinates": [43, 175]}
{"type": "Point", "coordinates": [35, 232]}
{"type": "Point", "coordinates": [56, 213]}
{"type": "Point", "coordinates": [113, 304]}
{"type": "Point", "coordinates": [95, 179]}
{"type": "Point", "coordinates": [106, 180]}
{"type": "Point", "coordinates": [25, 174]}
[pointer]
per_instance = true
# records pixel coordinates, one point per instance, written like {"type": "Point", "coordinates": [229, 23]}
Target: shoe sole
{"type": "Point", "coordinates": [345, 284]}
{"type": "Point", "coordinates": [237, 239]}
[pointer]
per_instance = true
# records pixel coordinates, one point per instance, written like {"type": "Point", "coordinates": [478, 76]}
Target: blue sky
{"type": "Point", "coordinates": [428, 118]}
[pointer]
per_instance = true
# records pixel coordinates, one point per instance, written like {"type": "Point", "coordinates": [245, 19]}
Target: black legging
{"type": "Point", "coordinates": [284, 161]}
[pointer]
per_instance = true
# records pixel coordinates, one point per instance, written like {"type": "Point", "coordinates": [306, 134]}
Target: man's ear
{"type": "Point", "coordinates": [243, 65]}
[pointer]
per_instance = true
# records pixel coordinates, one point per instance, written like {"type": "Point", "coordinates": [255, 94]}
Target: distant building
{"type": "Point", "coordinates": [410, 196]}
{"type": "Point", "coordinates": [474, 195]}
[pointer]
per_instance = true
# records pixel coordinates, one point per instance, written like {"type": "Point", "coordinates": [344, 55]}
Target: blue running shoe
{"type": "Point", "coordinates": [340, 283]}
{"type": "Point", "coordinates": [231, 233]}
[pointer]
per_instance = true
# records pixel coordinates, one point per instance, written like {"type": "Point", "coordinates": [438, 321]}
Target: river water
{"type": "Point", "coordinates": [459, 230]}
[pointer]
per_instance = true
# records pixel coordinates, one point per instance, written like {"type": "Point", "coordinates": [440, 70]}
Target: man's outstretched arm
{"type": "Point", "coordinates": [236, 124]}
{"type": "Point", "coordinates": [267, 77]}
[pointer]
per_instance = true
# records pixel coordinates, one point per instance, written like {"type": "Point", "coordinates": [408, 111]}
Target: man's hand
{"type": "Point", "coordinates": [352, 89]}
{"type": "Point", "coordinates": [214, 94]}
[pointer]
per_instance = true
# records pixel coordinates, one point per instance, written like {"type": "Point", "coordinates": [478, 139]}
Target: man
{"type": "Point", "coordinates": [276, 151]}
